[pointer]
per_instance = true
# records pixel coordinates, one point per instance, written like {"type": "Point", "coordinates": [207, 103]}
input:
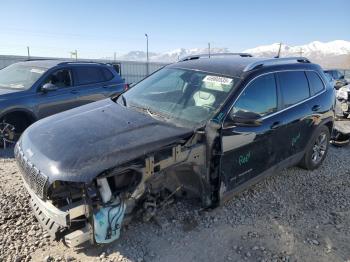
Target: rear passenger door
{"type": "Point", "coordinates": [296, 126]}
{"type": "Point", "coordinates": [90, 84]}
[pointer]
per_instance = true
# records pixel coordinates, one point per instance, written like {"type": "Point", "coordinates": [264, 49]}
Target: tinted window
{"type": "Point", "coordinates": [259, 97]}
{"type": "Point", "coordinates": [88, 75]}
{"type": "Point", "coordinates": [315, 82]}
{"type": "Point", "coordinates": [60, 78]}
{"type": "Point", "coordinates": [117, 68]}
{"type": "Point", "coordinates": [107, 74]}
{"type": "Point", "coordinates": [294, 87]}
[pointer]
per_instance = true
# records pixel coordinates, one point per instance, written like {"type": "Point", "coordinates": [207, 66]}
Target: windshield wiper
{"type": "Point", "coordinates": [124, 100]}
{"type": "Point", "coordinates": [151, 113]}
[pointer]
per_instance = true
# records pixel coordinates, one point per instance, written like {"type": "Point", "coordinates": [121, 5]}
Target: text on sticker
{"type": "Point", "coordinates": [218, 79]}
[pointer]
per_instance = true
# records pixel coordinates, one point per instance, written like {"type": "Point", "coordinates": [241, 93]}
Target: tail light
{"type": "Point", "coordinates": [126, 87]}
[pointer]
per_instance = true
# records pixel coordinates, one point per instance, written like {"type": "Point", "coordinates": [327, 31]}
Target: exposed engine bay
{"type": "Point", "coordinates": [96, 212]}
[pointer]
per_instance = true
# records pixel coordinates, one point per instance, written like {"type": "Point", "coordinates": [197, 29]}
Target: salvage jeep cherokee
{"type": "Point", "coordinates": [201, 127]}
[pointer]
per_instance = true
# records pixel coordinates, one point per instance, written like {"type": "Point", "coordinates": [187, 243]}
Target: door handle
{"type": "Point", "coordinates": [74, 92]}
{"type": "Point", "coordinates": [275, 125]}
{"type": "Point", "coordinates": [316, 108]}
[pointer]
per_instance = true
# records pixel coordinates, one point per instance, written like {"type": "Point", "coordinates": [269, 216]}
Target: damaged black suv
{"type": "Point", "coordinates": [202, 127]}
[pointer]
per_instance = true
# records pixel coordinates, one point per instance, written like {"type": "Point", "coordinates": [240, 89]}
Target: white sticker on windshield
{"type": "Point", "coordinates": [218, 80]}
{"type": "Point", "coordinates": [36, 70]}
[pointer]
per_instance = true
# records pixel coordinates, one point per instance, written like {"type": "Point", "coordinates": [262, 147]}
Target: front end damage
{"type": "Point", "coordinates": [96, 211]}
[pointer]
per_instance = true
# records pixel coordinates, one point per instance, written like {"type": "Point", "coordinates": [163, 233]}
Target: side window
{"type": "Point", "coordinates": [107, 74]}
{"type": "Point", "coordinates": [294, 87]}
{"type": "Point", "coordinates": [60, 78]}
{"type": "Point", "coordinates": [118, 68]}
{"type": "Point", "coordinates": [259, 97]}
{"type": "Point", "coordinates": [315, 82]}
{"type": "Point", "coordinates": [88, 75]}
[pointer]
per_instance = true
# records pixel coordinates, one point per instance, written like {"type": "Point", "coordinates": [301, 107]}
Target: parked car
{"type": "Point", "coordinates": [201, 127]}
{"type": "Point", "coordinates": [343, 99]}
{"type": "Point", "coordinates": [338, 77]}
{"type": "Point", "coordinates": [36, 89]}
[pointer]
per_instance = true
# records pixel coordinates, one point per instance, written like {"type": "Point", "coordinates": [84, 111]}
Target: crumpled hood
{"type": "Point", "coordinates": [79, 144]}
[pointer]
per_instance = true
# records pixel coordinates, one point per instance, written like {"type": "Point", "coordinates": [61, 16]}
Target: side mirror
{"type": "Point", "coordinates": [341, 77]}
{"type": "Point", "coordinates": [48, 87]}
{"type": "Point", "coordinates": [243, 118]}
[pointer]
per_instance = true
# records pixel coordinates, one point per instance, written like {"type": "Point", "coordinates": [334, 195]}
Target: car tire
{"type": "Point", "coordinates": [317, 149]}
{"type": "Point", "coordinates": [346, 115]}
{"type": "Point", "coordinates": [11, 129]}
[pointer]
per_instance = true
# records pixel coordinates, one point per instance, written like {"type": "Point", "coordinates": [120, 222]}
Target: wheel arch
{"type": "Point", "coordinates": [15, 114]}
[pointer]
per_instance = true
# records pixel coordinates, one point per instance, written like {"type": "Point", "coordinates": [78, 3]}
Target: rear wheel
{"type": "Point", "coordinates": [317, 149]}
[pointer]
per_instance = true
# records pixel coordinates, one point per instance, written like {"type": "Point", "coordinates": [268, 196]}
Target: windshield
{"type": "Point", "coordinates": [20, 76]}
{"type": "Point", "coordinates": [184, 96]}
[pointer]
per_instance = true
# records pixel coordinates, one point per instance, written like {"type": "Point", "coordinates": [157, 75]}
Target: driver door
{"type": "Point", "coordinates": [248, 149]}
{"type": "Point", "coordinates": [63, 98]}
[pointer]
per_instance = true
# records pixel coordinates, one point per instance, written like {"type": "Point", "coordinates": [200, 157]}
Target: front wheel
{"type": "Point", "coordinates": [317, 149]}
{"type": "Point", "coordinates": [8, 135]}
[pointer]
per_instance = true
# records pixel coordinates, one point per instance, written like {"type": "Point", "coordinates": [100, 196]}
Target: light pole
{"type": "Point", "coordinates": [146, 35]}
{"type": "Point", "coordinates": [28, 53]}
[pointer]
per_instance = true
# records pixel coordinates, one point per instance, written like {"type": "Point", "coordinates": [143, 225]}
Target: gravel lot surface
{"type": "Point", "coordinates": [294, 216]}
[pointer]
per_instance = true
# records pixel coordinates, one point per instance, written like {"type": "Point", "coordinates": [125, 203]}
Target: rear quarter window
{"type": "Point", "coordinates": [88, 75]}
{"type": "Point", "coordinates": [294, 87]}
{"type": "Point", "coordinates": [107, 74]}
{"type": "Point", "coordinates": [315, 82]}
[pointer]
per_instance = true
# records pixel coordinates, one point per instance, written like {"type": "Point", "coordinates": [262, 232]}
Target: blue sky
{"type": "Point", "coordinates": [99, 28]}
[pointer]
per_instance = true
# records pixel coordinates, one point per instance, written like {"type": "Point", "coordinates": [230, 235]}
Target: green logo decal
{"type": "Point", "coordinates": [244, 159]}
{"type": "Point", "coordinates": [295, 139]}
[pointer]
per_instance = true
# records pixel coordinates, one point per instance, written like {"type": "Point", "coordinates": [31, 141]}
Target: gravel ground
{"type": "Point", "coordinates": [294, 216]}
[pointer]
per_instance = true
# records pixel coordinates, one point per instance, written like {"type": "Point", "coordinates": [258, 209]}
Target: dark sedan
{"type": "Point", "coordinates": [33, 90]}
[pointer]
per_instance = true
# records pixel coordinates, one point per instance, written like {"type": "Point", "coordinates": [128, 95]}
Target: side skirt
{"type": "Point", "coordinates": [274, 170]}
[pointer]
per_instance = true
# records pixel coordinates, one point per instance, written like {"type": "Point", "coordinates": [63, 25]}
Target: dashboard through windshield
{"type": "Point", "coordinates": [185, 96]}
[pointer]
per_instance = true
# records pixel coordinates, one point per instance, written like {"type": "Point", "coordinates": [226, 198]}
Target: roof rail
{"type": "Point", "coordinates": [276, 61]}
{"type": "Point", "coordinates": [193, 57]}
{"type": "Point", "coordinates": [81, 62]}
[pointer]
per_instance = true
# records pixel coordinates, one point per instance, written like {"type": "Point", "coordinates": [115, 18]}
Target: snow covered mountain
{"type": "Point", "coordinates": [313, 49]}
{"type": "Point", "coordinates": [171, 56]}
{"type": "Point", "coordinates": [330, 54]}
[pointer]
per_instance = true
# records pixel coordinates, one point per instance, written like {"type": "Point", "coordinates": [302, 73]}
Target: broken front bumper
{"type": "Point", "coordinates": [51, 218]}
{"type": "Point", "coordinates": [57, 221]}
